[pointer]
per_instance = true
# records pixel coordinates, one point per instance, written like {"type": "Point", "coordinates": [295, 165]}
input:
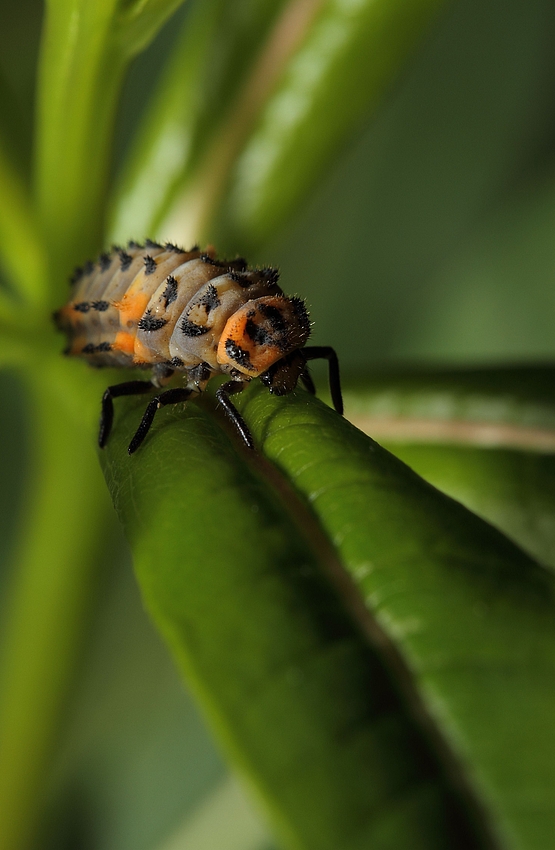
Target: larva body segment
{"type": "Point", "coordinates": [187, 313]}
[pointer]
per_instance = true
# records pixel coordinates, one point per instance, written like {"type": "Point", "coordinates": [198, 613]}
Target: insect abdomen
{"type": "Point", "coordinates": [156, 304]}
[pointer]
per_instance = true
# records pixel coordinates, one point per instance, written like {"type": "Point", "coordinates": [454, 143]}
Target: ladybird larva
{"type": "Point", "coordinates": [189, 315]}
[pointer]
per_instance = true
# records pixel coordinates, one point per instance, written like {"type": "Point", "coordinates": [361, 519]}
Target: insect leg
{"type": "Point", "coordinates": [306, 380]}
{"type": "Point", "coordinates": [107, 414]}
{"type": "Point", "coordinates": [173, 396]}
{"type": "Point", "coordinates": [222, 394]}
{"type": "Point", "coordinates": [317, 352]}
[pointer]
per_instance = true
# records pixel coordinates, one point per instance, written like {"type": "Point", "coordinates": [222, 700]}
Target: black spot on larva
{"type": "Point", "coordinates": [150, 264]}
{"type": "Point", "coordinates": [151, 323]}
{"type": "Point", "coordinates": [238, 354]}
{"type": "Point", "coordinates": [89, 348]}
{"type": "Point", "coordinates": [150, 244]}
{"type": "Point", "coordinates": [301, 313]}
{"type": "Point", "coordinates": [170, 292]}
{"type": "Point", "coordinates": [88, 268]}
{"type": "Point", "coordinates": [243, 280]}
{"type": "Point", "coordinates": [210, 298]}
{"type": "Point", "coordinates": [101, 306]}
{"type": "Point", "coordinates": [176, 362]}
{"type": "Point", "coordinates": [125, 260]}
{"type": "Point", "coordinates": [237, 265]}
{"type": "Point", "coordinates": [257, 333]}
{"type": "Point", "coordinates": [134, 245]}
{"type": "Point", "coordinates": [210, 261]}
{"type": "Point", "coordinates": [77, 275]}
{"type": "Point", "coordinates": [169, 246]}
{"type": "Point", "coordinates": [190, 329]}
{"type": "Point", "coordinates": [270, 276]}
{"type": "Point", "coordinates": [104, 262]}
{"type": "Point", "coordinates": [82, 307]}
{"type": "Point", "coordinates": [103, 346]}
{"type": "Point", "coordinates": [274, 316]}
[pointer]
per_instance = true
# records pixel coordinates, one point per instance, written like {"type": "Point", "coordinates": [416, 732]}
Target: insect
{"type": "Point", "coordinates": [188, 313]}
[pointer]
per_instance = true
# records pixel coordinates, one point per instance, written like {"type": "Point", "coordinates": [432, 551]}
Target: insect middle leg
{"type": "Point", "coordinates": [173, 396]}
{"type": "Point", "coordinates": [107, 414]}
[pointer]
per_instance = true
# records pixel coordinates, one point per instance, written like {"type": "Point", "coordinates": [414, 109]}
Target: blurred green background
{"type": "Point", "coordinates": [430, 239]}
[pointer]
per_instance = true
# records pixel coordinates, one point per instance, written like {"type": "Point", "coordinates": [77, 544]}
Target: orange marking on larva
{"type": "Point", "coordinates": [131, 307]}
{"type": "Point", "coordinates": [124, 342]}
{"type": "Point", "coordinates": [260, 357]}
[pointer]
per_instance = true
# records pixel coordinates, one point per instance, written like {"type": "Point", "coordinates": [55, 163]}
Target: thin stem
{"type": "Point", "coordinates": [44, 618]}
{"type": "Point", "coordinates": [22, 253]}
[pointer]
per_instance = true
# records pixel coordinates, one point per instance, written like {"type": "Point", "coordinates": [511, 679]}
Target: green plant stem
{"type": "Point", "coordinates": [45, 616]}
{"type": "Point", "coordinates": [22, 253]}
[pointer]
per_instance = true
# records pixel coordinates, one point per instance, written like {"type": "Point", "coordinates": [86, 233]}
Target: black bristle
{"type": "Point", "coordinates": [151, 323]}
{"type": "Point", "coordinates": [149, 243]}
{"type": "Point", "coordinates": [76, 275]}
{"type": "Point", "coordinates": [82, 307]}
{"type": "Point", "coordinates": [125, 260]}
{"type": "Point", "coordinates": [190, 329]}
{"type": "Point", "coordinates": [104, 262]}
{"type": "Point", "coordinates": [170, 292]}
{"type": "Point", "coordinates": [88, 268]}
{"type": "Point", "coordinates": [169, 246]}
{"type": "Point", "coordinates": [150, 264]}
{"type": "Point", "coordinates": [100, 306]}
{"type": "Point", "coordinates": [270, 275]}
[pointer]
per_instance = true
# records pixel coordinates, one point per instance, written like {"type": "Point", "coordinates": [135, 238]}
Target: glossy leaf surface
{"type": "Point", "coordinates": [455, 618]}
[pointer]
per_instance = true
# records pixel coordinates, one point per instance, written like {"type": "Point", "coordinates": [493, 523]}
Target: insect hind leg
{"type": "Point", "coordinates": [107, 412]}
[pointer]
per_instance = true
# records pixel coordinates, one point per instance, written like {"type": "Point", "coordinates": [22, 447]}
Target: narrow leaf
{"type": "Point", "coordinates": [244, 591]}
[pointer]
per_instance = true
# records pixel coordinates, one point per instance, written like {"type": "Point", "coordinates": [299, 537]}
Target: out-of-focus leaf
{"type": "Point", "coordinates": [484, 436]}
{"type": "Point", "coordinates": [195, 97]}
{"type": "Point", "coordinates": [279, 72]}
{"type": "Point", "coordinates": [349, 57]}
{"type": "Point", "coordinates": [457, 619]}
{"type": "Point", "coordinates": [305, 707]}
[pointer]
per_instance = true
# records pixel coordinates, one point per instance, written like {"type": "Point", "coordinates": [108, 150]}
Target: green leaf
{"type": "Point", "coordinates": [348, 59]}
{"type": "Point", "coordinates": [298, 646]}
{"type": "Point", "coordinates": [86, 48]}
{"type": "Point", "coordinates": [484, 436]}
{"type": "Point", "coordinates": [290, 686]}
{"type": "Point", "coordinates": [194, 100]}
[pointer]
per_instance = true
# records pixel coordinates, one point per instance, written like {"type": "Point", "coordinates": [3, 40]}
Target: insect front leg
{"type": "Point", "coordinates": [326, 352]}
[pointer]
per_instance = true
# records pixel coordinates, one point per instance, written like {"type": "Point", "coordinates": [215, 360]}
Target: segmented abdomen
{"type": "Point", "coordinates": [151, 304]}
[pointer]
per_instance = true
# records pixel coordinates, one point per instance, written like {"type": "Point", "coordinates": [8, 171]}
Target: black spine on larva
{"type": "Point", "coordinates": [301, 313]}
{"type": "Point", "coordinates": [104, 262]}
{"type": "Point", "coordinates": [150, 264]}
{"type": "Point", "coordinates": [149, 243]}
{"type": "Point", "coordinates": [125, 260]}
{"type": "Point", "coordinates": [151, 323]}
{"type": "Point", "coordinates": [190, 329]}
{"type": "Point", "coordinates": [100, 306]}
{"type": "Point", "coordinates": [169, 246]}
{"type": "Point", "coordinates": [170, 292]}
